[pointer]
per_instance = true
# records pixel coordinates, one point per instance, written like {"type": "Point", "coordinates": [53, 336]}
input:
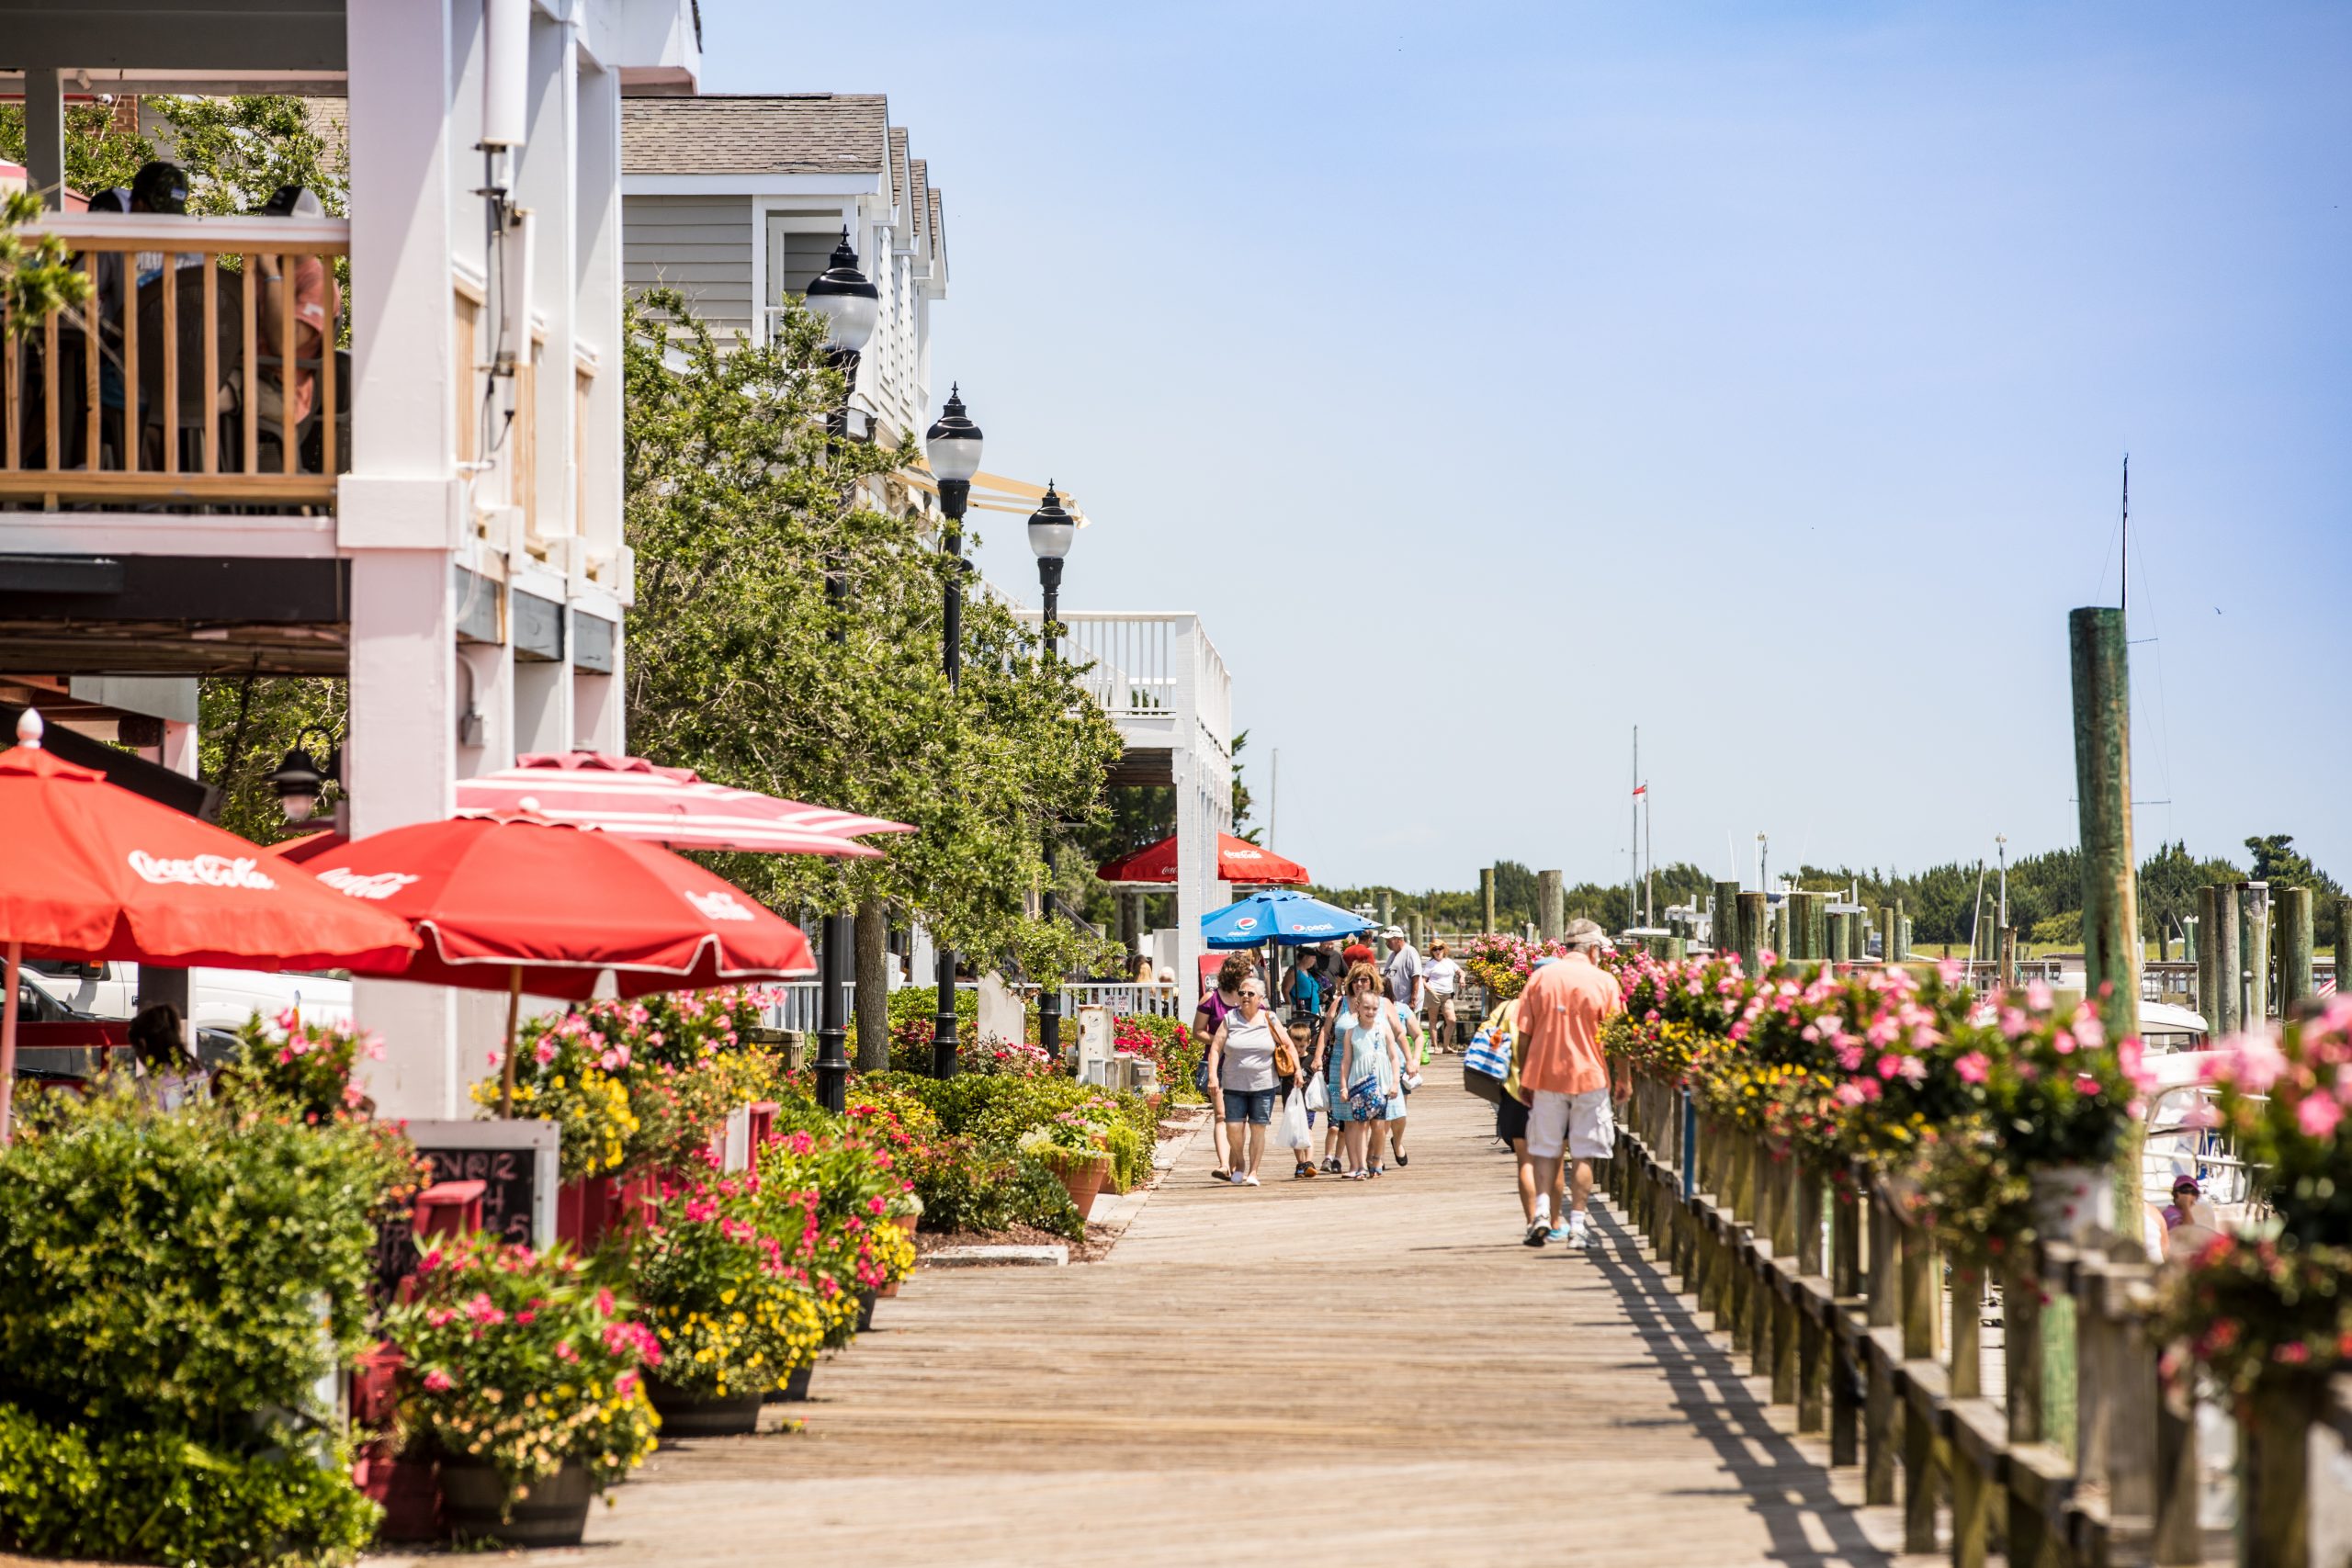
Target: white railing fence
{"type": "Point", "coordinates": [800, 1003]}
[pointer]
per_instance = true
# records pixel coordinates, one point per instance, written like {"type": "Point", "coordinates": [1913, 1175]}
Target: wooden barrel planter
{"type": "Point", "coordinates": [687, 1414]}
{"type": "Point", "coordinates": [552, 1511]}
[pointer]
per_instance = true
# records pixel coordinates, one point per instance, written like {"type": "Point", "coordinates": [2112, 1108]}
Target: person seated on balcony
{"type": "Point", "coordinates": [162, 188]}
{"type": "Point", "coordinates": [317, 305]}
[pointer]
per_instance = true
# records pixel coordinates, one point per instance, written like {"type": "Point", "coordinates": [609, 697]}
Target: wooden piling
{"type": "Point", "coordinates": [1552, 904]}
{"type": "Point", "coordinates": [2294, 917]}
{"type": "Point", "coordinates": [2253, 941]}
{"type": "Point", "coordinates": [2102, 681]}
{"type": "Point", "coordinates": [2228, 1015]}
{"type": "Point", "coordinates": [1886, 952]}
{"type": "Point", "coordinates": [1751, 916]}
{"type": "Point", "coordinates": [1722, 923]}
{"type": "Point", "coordinates": [1487, 894]}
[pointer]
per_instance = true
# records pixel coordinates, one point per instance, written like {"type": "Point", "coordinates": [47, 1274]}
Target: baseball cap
{"type": "Point", "coordinates": [1585, 933]}
{"type": "Point", "coordinates": [1394, 933]}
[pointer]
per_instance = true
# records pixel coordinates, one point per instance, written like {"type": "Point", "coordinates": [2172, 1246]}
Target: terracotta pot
{"type": "Point", "coordinates": [1083, 1182]}
{"type": "Point", "coordinates": [552, 1511]}
{"type": "Point", "coordinates": [703, 1415]}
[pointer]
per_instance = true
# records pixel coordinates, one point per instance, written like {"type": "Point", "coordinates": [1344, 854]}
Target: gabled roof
{"type": "Point", "coordinates": [919, 174]}
{"type": "Point", "coordinates": [777, 133]}
{"type": "Point", "coordinates": [898, 169]}
{"type": "Point", "coordinates": [938, 238]}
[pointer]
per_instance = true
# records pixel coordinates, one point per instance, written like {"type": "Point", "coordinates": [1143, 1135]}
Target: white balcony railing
{"type": "Point", "coordinates": [1154, 665]}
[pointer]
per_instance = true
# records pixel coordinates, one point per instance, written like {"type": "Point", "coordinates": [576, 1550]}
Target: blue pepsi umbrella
{"type": "Point", "coordinates": [1279, 915]}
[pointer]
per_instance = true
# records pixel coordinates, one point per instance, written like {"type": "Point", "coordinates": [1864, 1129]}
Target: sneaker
{"type": "Point", "coordinates": [1557, 1234]}
{"type": "Point", "coordinates": [1302, 1171]}
{"type": "Point", "coordinates": [1580, 1235]}
{"type": "Point", "coordinates": [1537, 1234]}
{"type": "Point", "coordinates": [1331, 1165]}
{"type": "Point", "coordinates": [1248, 1182]}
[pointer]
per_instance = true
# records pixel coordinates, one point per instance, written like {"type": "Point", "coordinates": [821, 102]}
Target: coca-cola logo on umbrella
{"type": "Point", "coordinates": [201, 871]}
{"type": "Point", "coordinates": [363, 885]}
{"type": "Point", "coordinates": [717, 905]}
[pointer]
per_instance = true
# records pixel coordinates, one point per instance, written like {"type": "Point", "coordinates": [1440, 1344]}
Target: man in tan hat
{"type": "Point", "coordinates": [1568, 1113]}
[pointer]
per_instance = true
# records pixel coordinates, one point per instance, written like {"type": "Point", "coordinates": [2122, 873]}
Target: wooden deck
{"type": "Point", "coordinates": [1305, 1372]}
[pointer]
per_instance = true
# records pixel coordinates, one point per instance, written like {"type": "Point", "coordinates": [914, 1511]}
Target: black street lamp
{"type": "Point", "coordinates": [1051, 530]}
{"type": "Point", "coordinates": [298, 780]}
{"type": "Point", "coordinates": [953, 447]}
{"type": "Point", "coordinates": [849, 304]}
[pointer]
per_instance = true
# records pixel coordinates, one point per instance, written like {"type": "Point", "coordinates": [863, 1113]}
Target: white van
{"type": "Point", "coordinates": [219, 999]}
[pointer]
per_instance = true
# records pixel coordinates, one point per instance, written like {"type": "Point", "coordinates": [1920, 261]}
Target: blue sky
{"type": "Point", "coordinates": [1495, 379]}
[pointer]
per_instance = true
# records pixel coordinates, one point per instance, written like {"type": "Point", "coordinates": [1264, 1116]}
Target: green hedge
{"type": "Point", "coordinates": [998, 1109]}
{"type": "Point", "coordinates": [966, 1184]}
{"type": "Point", "coordinates": [161, 1285]}
{"type": "Point", "coordinates": [161, 1497]}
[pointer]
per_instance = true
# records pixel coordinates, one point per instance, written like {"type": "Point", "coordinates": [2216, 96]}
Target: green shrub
{"type": "Point", "coordinates": [146, 1497]}
{"type": "Point", "coordinates": [996, 1109]}
{"type": "Point", "coordinates": [168, 1272]}
{"type": "Point", "coordinates": [968, 1185]}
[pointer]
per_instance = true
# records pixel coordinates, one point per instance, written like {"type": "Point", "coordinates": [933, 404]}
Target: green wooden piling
{"type": "Point", "coordinates": [2102, 685]}
{"type": "Point", "coordinates": [1722, 924]}
{"type": "Point", "coordinates": [2255, 945]}
{"type": "Point", "coordinates": [1487, 894]}
{"type": "Point", "coordinates": [1749, 921]}
{"type": "Point", "coordinates": [2293, 913]}
{"type": "Point", "coordinates": [1886, 933]}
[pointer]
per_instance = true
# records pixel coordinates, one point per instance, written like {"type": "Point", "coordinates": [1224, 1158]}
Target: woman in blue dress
{"type": "Point", "coordinates": [1365, 1070]}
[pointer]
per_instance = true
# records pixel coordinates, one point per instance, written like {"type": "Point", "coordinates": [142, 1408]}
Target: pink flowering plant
{"type": "Point", "coordinates": [310, 1065]}
{"type": "Point", "coordinates": [2277, 1307]}
{"type": "Point", "coordinates": [2056, 1090]}
{"type": "Point", "coordinates": [841, 1187]}
{"type": "Point", "coordinates": [517, 1360]}
{"type": "Point", "coordinates": [1501, 964]}
{"type": "Point", "coordinates": [722, 1266]}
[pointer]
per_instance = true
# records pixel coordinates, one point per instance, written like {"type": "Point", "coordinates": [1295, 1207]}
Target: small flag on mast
{"type": "Point", "coordinates": [1641, 789]}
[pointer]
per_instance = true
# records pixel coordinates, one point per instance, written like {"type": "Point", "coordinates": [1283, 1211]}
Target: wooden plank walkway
{"type": "Point", "coordinates": [1308, 1371]}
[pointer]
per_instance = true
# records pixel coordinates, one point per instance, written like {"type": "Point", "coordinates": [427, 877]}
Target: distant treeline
{"type": "Point", "coordinates": [2045, 892]}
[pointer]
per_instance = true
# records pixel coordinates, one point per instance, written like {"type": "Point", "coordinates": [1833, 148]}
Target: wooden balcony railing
{"type": "Point", "coordinates": [172, 385]}
{"type": "Point", "coordinates": [2079, 1448]}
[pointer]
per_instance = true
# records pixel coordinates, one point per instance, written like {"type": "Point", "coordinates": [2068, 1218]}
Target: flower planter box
{"type": "Point", "coordinates": [703, 1415]}
{"type": "Point", "coordinates": [552, 1511]}
{"type": "Point", "coordinates": [408, 1489]}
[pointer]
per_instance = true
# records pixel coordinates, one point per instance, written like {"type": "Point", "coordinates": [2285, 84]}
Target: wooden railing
{"type": "Point", "coordinates": [173, 388]}
{"type": "Point", "coordinates": [2086, 1452]}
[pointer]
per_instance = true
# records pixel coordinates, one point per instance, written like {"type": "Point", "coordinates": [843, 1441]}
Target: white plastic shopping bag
{"type": "Point", "coordinates": [1294, 1132]}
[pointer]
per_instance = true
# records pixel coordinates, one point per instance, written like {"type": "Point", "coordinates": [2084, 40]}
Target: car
{"type": "Point", "coordinates": [219, 999]}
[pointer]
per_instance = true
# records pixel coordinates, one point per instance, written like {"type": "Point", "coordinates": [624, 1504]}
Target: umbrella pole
{"type": "Point", "coordinates": [506, 1060]}
{"type": "Point", "coordinates": [8, 1046]}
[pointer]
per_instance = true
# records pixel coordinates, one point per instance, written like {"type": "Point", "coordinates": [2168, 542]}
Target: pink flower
{"type": "Point", "coordinates": [2037, 997]}
{"type": "Point", "coordinates": [1913, 1070]}
{"type": "Point", "coordinates": [1972, 1068]}
{"type": "Point", "coordinates": [564, 1352]}
{"type": "Point", "coordinates": [2063, 1042]}
{"type": "Point", "coordinates": [438, 1382]}
{"type": "Point", "coordinates": [1951, 970]}
{"type": "Point", "coordinates": [352, 1095]}
{"type": "Point", "coordinates": [625, 1384]}
{"type": "Point", "coordinates": [543, 1051]}
{"type": "Point", "coordinates": [2255, 1062]}
{"type": "Point", "coordinates": [2317, 1115]}
{"type": "Point", "coordinates": [1889, 1065]}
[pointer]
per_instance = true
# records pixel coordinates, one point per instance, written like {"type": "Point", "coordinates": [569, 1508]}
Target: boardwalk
{"type": "Point", "coordinates": [1310, 1372]}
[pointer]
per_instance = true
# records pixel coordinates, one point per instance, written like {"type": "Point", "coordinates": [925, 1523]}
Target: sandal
{"type": "Point", "coordinates": [1302, 1172]}
{"type": "Point", "coordinates": [1220, 1176]}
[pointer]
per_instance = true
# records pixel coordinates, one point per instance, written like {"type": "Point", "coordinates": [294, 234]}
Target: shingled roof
{"type": "Point", "coordinates": [899, 166]}
{"type": "Point", "coordinates": [776, 133]}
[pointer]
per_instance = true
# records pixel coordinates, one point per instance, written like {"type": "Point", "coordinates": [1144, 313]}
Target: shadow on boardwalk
{"type": "Point", "coordinates": [1310, 1370]}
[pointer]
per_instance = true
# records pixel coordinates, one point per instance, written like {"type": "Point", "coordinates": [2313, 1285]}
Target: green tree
{"type": "Point", "coordinates": [743, 668]}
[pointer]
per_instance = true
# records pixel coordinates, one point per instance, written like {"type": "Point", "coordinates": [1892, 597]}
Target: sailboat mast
{"type": "Point", "coordinates": [1634, 843]}
{"type": "Point", "coordinates": [2123, 595]}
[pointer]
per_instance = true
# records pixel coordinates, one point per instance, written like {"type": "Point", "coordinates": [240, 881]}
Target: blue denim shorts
{"type": "Point", "coordinates": [1255, 1106]}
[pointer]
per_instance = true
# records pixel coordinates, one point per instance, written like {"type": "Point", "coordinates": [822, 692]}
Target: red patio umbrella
{"type": "Point", "coordinates": [1237, 860]}
{"type": "Point", "coordinates": [668, 805]}
{"type": "Point", "coordinates": [95, 872]}
{"type": "Point", "coordinates": [517, 903]}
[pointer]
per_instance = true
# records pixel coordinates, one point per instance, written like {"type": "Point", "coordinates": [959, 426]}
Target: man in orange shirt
{"type": "Point", "coordinates": [1560, 1014]}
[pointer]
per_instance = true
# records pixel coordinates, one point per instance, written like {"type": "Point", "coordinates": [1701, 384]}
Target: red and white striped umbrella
{"type": "Point", "coordinates": [637, 799]}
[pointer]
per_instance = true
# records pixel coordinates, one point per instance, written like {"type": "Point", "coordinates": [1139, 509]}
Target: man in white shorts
{"type": "Point", "coordinates": [1569, 1114]}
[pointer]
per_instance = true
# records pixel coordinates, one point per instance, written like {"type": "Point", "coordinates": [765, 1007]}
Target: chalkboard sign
{"type": "Point", "coordinates": [515, 1162]}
